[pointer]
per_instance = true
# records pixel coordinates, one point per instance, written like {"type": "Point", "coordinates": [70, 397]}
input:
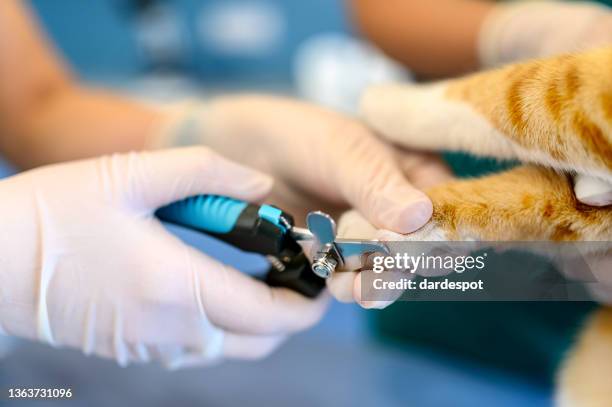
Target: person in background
{"type": "Point", "coordinates": [445, 38]}
{"type": "Point", "coordinates": [83, 262]}
{"type": "Point", "coordinates": [450, 37]}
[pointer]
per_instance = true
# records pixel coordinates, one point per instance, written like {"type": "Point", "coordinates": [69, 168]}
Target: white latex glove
{"type": "Point", "coordinates": [84, 264]}
{"type": "Point", "coordinates": [529, 29]}
{"type": "Point", "coordinates": [346, 286]}
{"type": "Point", "coordinates": [320, 159]}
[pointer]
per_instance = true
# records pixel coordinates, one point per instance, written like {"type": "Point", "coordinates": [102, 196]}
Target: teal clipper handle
{"type": "Point", "coordinates": [207, 213]}
{"type": "Point", "coordinates": [262, 229]}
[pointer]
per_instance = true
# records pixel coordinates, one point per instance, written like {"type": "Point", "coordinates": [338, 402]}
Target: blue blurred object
{"type": "Point", "coordinates": [288, 24]}
{"type": "Point", "coordinates": [214, 40]}
{"type": "Point", "coordinates": [6, 168]}
{"type": "Point", "coordinates": [92, 35]}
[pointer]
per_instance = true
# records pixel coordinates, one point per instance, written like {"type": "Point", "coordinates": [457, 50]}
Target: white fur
{"type": "Point", "coordinates": [421, 117]}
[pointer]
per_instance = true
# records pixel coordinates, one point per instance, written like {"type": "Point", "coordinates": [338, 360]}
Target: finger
{"type": "Point", "coordinates": [158, 178]}
{"type": "Point", "coordinates": [251, 347]}
{"type": "Point", "coordinates": [341, 284]}
{"type": "Point", "coordinates": [368, 298]}
{"type": "Point", "coordinates": [243, 347]}
{"type": "Point", "coordinates": [423, 170]}
{"type": "Point", "coordinates": [347, 286]}
{"type": "Point", "coordinates": [174, 357]}
{"type": "Point", "coordinates": [351, 225]}
{"type": "Point", "coordinates": [371, 181]}
{"type": "Point", "coordinates": [592, 191]}
{"type": "Point", "coordinates": [238, 303]}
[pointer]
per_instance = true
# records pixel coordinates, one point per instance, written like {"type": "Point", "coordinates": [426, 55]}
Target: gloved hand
{"type": "Point", "coordinates": [84, 264]}
{"type": "Point", "coordinates": [320, 160]}
{"type": "Point", "coordinates": [521, 30]}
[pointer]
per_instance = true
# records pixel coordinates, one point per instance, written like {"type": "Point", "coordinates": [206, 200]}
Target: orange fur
{"type": "Point", "coordinates": [559, 107]}
{"type": "Point", "coordinates": [526, 203]}
{"type": "Point", "coordinates": [556, 113]}
{"type": "Point", "coordinates": [586, 378]}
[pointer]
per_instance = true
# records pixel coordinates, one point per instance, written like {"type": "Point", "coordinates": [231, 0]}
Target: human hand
{"type": "Point", "coordinates": [85, 264]}
{"type": "Point", "coordinates": [320, 160]}
{"type": "Point", "coordinates": [530, 29]}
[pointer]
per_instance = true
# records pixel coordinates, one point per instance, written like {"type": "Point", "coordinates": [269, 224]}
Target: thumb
{"type": "Point", "coordinates": [372, 181]}
{"type": "Point", "coordinates": [158, 178]}
{"type": "Point", "coordinates": [351, 225]}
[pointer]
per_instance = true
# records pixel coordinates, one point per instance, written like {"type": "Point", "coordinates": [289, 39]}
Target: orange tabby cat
{"type": "Point", "coordinates": [554, 113]}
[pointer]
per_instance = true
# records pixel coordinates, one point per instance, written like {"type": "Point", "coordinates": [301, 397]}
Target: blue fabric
{"type": "Point", "coordinates": [100, 38]}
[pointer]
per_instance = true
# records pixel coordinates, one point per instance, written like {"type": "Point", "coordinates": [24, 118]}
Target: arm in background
{"type": "Point", "coordinates": [449, 37]}
{"type": "Point", "coordinates": [46, 116]}
{"type": "Point", "coordinates": [433, 38]}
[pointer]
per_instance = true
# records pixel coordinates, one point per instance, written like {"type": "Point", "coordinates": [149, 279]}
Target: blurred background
{"type": "Point", "coordinates": [206, 46]}
{"type": "Point", "coordinates": [166, 50]}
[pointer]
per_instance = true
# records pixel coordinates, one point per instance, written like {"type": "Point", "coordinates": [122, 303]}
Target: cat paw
{"type": "Point", "coordinates": [592, 191]}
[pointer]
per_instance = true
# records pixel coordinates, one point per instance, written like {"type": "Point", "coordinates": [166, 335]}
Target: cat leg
{"type": "Point", "coordinates": [555, 112]}
{"type": "Point", "coordinates": [586, 377]}
{"type": "Point", "coordinates": [423, 117]}
{"type": "Point", "coordinates": [522, 204]}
